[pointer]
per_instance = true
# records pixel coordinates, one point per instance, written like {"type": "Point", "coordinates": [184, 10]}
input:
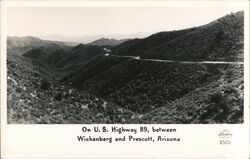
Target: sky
{"type": "Point", "coordinates": [88, 21]}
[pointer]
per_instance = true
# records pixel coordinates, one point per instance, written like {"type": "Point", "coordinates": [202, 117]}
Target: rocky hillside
{"type": "Point", "coordinates": [34, 97]}
{"type": "Point", "coordinates": [220, 101]}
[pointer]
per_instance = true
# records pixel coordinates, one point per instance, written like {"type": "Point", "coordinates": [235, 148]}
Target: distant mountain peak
{"type": "Point", "coordinates": [80, 45]}
{"type": "Point", "coordinates": [107, 42]}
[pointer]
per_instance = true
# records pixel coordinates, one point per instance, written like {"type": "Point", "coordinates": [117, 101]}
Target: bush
{"type": "Point", "coordinates": [219, 36]}
{"type": "Point", "coordinates": [45, 84]}
{"type": "Point", "coordinates": [219, 100]}
{"type": "Point", "coordinates": [18, 89]}
{"type": "Point", "coordinates": [58, 96]}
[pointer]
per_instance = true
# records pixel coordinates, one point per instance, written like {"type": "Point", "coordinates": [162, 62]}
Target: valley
{"type": "Point", "coordinates": [190, 76]}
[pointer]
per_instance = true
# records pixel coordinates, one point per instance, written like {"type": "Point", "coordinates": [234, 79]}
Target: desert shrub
{"type": "Point", "coordinates": [36, 74]}
{"type": "Point", "coordinates": [219, 36]}
{"type": "Point", "coordinates": [58, 96]}
{"type": "Point", "coordinates": [18, 89]}
{"type": "Point", "coordinates": [45, 84]}
{"type": "Point", "coordinates": [219, 100]}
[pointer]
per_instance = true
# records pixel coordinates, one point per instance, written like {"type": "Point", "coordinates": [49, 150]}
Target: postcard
{"type": "Point", "coordinates": [124, 79]}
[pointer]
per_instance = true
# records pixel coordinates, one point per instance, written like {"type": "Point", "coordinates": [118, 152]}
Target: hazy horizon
{"type": "Point", "coordinates": [88, 38]}
{"type": "Point", "coordinates": [89, 23]}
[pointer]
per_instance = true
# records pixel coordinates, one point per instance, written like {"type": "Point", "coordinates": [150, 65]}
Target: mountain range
{"type": "Point", "coordinates": [107, 42]}
{"type": "Point", "coordinates": [84, 39]}
{"type": "Point", "coordinates": [20, 45]}
{"type": "Point", "coordinates": [140, 91]}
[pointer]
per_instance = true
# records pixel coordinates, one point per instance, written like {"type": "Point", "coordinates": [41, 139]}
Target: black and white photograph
{"type": "Point", "coordinates": [125, 65]}
{"type": "Point", "coordinates": [124, 79]}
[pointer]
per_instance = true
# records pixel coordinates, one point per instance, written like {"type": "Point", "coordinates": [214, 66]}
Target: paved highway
{"type": "Point", "coordinates": [184, 62]}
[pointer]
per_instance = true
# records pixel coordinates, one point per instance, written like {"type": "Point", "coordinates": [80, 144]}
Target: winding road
{"type": "Point", "coordinates": [183, 62]}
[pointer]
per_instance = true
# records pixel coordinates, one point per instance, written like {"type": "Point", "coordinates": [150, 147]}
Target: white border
{"type": "Point", "coordinates": [59, 141]}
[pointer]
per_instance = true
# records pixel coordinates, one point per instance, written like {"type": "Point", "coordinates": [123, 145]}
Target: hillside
{"type": "Point", "coordinates": [218, 40]}
{"type": "Point", "coordinates": [144, 82]}
{"type": "Point", "coordinates": [107, 42]}
{"type": "Point", "coordinates": [146, 87]}
{"type": "Point", "coordinates": [66, 59]}
{"type": "Point", "coordinates": [81, 54]}
{"type": "Point", "coordinates": [92, 69]}
{"type": "Point", "coordinates": [35, 97]}
{"type": "Point", "coordinates": [221, 40]}
{"type": "Point", "coordinates": [137, 47]}
{"type": "Point", "coordinates": [220, 101]}
{"type": "Point", "coordinates": [39, 53]}
{"type": "Point", "coordinates": [20, 45]}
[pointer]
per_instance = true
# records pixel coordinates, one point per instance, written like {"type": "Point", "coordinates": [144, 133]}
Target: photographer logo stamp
{"type": "Point", "coordinates": [225, 137]}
